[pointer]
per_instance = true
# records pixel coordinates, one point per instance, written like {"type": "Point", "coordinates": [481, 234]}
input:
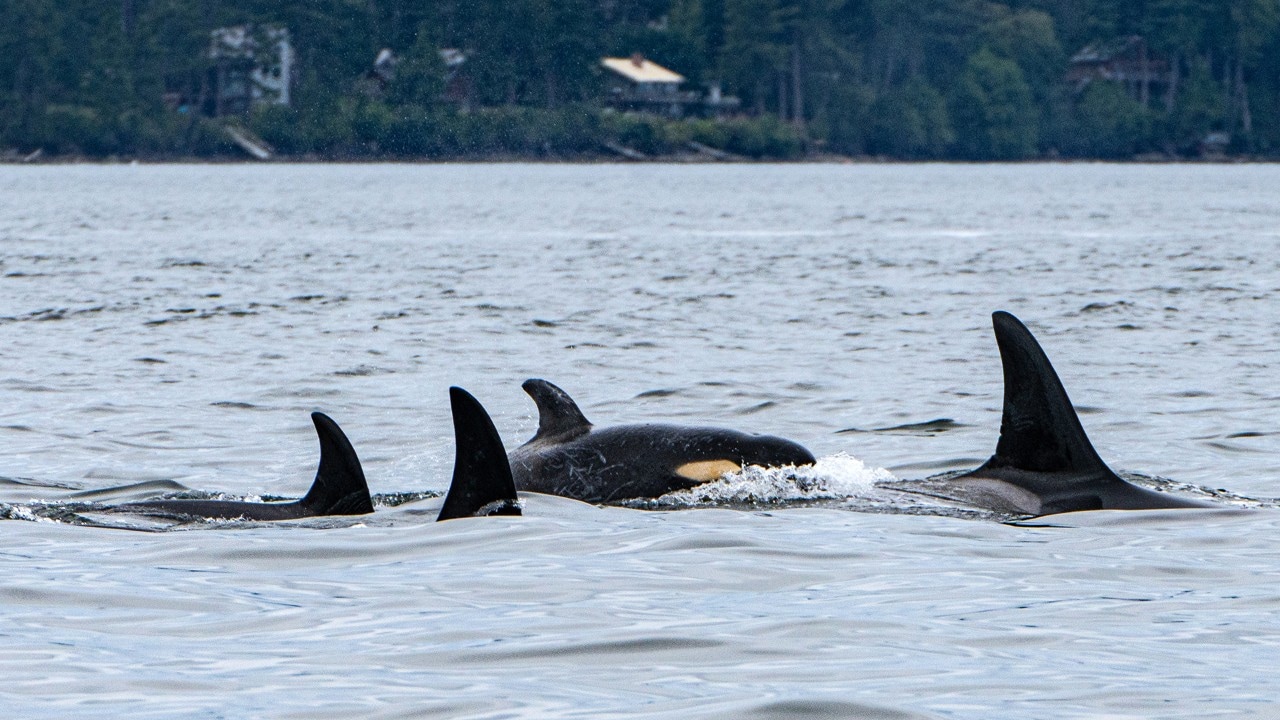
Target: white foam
{"type": "Point", "coordinates": [22, 512]}
{"type": "Point", "coordinates": [833, 477]}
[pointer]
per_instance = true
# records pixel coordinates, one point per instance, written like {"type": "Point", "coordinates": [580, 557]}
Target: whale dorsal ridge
{"type": "Point", "coordinates": [339, 487]}
{"type": "Point", "coordinates": [1039, 428]}
{"type": "Point", "coordinates": [558, 415]}
{"type": "Point", "coordinates": [482, 483]}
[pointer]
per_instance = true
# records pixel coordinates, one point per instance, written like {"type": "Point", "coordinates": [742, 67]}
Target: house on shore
{"type": "Point", "coordinates": [249, 65]}
{"type": "Point", "coordinates": [243, 67]}
{"type": "Point", "coordinates": [1125, 60]}
{"type": "Point", "coordinates": [638, 84]}
{"type": "Point", "coordinates": [456, 82]}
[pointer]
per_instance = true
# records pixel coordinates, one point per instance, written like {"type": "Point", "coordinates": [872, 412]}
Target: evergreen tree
{"type": "Point", "coordinates": [1028, 38]}
{"type": "Point", "coordinates": [755, 49]}
{"type": "Point", "coordinates": [849, 75]}
{"type": "Point", "coordinates": [687, 51]}
{"type": "Point", "coordinates": [992, 110]}
{"type": "Point", "coordinates": [911, 122]}
{"type": "Point", "coordinates": [1200, 110]}
{"type": "Point", "coordinates": [1106, 123]}
{"type": "Point", "coordinates": [565, 49]}
{"type": "Point", "coordinates": [419, 72]}
{"type": "Point", "coordinates": [30, 45]}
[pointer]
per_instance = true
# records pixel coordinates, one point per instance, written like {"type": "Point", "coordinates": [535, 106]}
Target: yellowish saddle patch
{"type": "Point", "coordinates": [707, 470]}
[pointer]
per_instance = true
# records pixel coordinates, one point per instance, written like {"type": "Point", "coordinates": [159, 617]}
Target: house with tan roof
{"type": "Point", "coordinates": [640, 84]}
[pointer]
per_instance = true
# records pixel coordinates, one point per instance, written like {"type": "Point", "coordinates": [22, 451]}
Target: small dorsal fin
{"type": "Point", "coordinates": [340, 487]}
{"type": "Point", "coordinates": [1039, 429]}
{"type": "Point", "coordinates": [558, 414]}
{"type": "Point", "coordinates": [482, 483]}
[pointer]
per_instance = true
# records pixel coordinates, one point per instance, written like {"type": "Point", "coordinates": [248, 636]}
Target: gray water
{"type": "Point", "coordinates": [173, 326]}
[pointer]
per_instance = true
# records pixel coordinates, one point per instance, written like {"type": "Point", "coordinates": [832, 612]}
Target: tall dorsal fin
{"type": "Point", "coordinates": [558, 414]}
{"type": "Point", "coordinates": [339, 488]}
{"type": "Point", "coordinates": [1039, 429]}
{"type": "Point", "coordinates": [482, 483]}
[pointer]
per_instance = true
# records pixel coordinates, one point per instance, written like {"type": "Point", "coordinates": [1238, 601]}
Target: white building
{"type": "Point", "coordinates": [252, 65]}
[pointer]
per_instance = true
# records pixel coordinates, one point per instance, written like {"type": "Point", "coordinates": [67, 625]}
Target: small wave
{"type": "Point", "coordinates": [756, 408]}
{"type": "Point", "coordinates": [1234, 447]}
{"type": "Point", "coordinates": [929, 427]}
{"type": "Point", "coordinates": [132, 491]}
{"type": "Point", "coordinates": [363, 371]}
{"type": "Point", "coordinates": [54, 314]}
{"type": "Point", "coordinates": [33, 482]}
{"type": "Point", "coordinates": [1197, 492]}
{"type": "Point", "coordinates": [659, 393]}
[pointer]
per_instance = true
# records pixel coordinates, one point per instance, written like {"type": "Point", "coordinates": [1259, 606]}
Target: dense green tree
{"type": "Point", "coordinates": [688, 23]}
{"type": "Point", "coordinates": [1176, 28]}
{"type": "Point", "coordinates": [1028, 38]}
{"type": "Point", "coordinates": [842, 117]}
{"type": "Point", "coordinates": [1106, 123]}
{"type": "Point", "coordinates": [30, 47]}
{"type": "Point", "coordinates": [1199, 111]}
{"type": "Point", "coordinates": [845, 75]}
{"type": "Point", "coordinates": [992, 110]}
{"type": "Point", "coordinates": [910, 122]}
{"type": "Point", "coordinates": [1252, 24]}
{"type": "Point", "coordinates": [754, 55]}
{"type": "Point", "coordinates": [419, 72]}
{"type": "Point", "coordinates": [566, 49]}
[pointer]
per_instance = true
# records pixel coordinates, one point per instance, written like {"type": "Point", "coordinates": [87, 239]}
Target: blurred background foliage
{"type": "Point", "coordinates": [906, 79]}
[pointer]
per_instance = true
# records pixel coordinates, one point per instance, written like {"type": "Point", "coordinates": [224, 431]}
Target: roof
{"type": "Point", "coordinates": [641, 70]}
{"type": "Point", "coordinates": [452, 57]}
{"type": "Point", "coordinates": [1107, 50]}
{"type": "Point", "coordinates": [245, 41]}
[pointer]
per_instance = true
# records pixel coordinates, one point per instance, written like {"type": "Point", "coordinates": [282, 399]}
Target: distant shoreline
{"type": "Point", "coordinates": [44, 159]}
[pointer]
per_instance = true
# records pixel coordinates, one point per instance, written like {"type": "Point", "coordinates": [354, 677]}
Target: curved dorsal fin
{"type": "Point", "coordinates": [339, 488]}
{"type": "Point", "coordinates": [482, 483]}
{"type": "Point", "coordinates": [558, 414]}
{"type": "Point", "coordinates": [1039, 429]}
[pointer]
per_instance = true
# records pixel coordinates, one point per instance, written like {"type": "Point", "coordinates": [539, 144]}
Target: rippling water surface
{"type": "Point", "coordinates": [170, 327]}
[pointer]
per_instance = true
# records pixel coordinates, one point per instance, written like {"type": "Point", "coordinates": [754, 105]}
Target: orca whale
{"type": "Point", "coordinates": [339, 489]}
{"type": "Point", "coordinates": [1044, 463]}
{"type": "Point", "coordinates": [482, 484]}
{"type": "Point", "coordinates": [568, 456]}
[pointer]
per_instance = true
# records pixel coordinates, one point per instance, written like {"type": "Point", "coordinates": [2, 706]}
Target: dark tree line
{"type": "Point", "coordinates": [966, 79]}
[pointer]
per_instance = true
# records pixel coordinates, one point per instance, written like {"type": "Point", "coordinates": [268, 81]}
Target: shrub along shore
{"type": "Point", "coordinates": [370, 132]}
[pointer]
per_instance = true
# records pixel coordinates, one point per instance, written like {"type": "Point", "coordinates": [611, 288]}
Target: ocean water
{"type": "Point", "coordinates": [170, 327]}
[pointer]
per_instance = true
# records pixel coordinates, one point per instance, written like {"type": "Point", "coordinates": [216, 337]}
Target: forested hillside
{"type": "Point", "coordinates": [910, 79]}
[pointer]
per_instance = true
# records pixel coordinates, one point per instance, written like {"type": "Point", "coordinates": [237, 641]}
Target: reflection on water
{"type": "Point", "coordinates": [169, 328]}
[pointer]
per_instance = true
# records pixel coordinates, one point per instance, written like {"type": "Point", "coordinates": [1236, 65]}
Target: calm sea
{"type": "Point", "coordinates": [168, 327]}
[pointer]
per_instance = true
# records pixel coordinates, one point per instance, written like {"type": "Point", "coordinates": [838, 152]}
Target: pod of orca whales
{"type": "Point", "coordinates": [1043, 464]}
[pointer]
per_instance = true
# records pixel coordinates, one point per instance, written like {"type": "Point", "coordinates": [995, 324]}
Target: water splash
{"type": "Point", "coordinates": [834, 477]}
